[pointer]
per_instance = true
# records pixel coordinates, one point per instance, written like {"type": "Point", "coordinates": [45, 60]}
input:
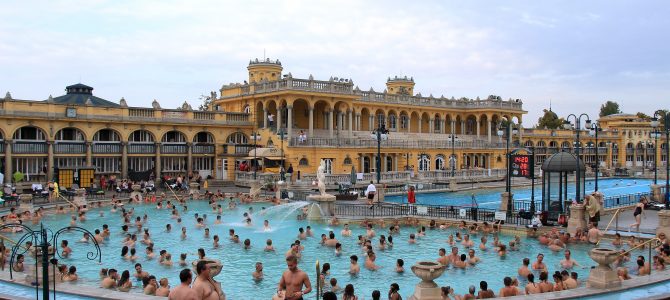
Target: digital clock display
{"type": "Point", "coordinates": [521, 166]}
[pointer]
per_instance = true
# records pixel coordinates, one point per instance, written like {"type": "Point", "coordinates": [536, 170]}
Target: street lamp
{"type": "Point", "coordinates": [666, 127]}
{"type": "Point", "coordinates": [577, 128]}
{"type": "Point", "coordinates": [381, 133]}
{"type": "Point", "coordinates": [594, 130]}
{"type": "Point", "coordinates": [510, 129]}
{"type": "Point", "coordinates": [452, 159]}
{"type": "Point", "coordinates": [655, 134]}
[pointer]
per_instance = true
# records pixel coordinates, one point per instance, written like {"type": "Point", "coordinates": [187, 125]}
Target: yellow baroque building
{"type": "Point", "coordinates": [332, 120]}
{"type": "Point", "coordinates": [79, 130]}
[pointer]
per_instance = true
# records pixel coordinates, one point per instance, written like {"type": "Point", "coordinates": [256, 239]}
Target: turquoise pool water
{"type": "Point", "coordinates": [28, 292]}
{"type": "Point", "coordinates": [490, 198]}
{"type": "Point", "coordinates": [238, 263]}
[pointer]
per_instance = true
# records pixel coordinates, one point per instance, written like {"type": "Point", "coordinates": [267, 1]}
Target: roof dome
{"type": "Point", "coordinates": [562, 162]}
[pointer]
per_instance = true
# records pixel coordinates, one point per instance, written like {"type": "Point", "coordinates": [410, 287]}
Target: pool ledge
{"type": "Point", "coordinates": [81, 289]}
{"type": "Point", "coordinates": [630, 284]}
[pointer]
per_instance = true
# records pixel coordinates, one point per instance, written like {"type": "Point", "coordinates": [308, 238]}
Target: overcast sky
{"type": "Point", "coordinates": [576, 54]}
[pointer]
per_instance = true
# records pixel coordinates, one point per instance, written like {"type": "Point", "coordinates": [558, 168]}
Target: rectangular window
{"type": "Point", "coordinates": [140, 164]}
{"type": "Point", "coordinates": [70, 162]}
{"type": "Point", "coordinates": [107, 164]}
{"type": "Point", "coordinates": [202, 163]}
{"type": "Point", "coordinates": [29, 165]}
{"type": "Point", "coordinates": [173, 164]}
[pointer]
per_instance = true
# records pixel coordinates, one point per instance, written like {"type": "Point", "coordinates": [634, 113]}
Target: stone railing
{"type": "Point", "coordinates": [331, 179]}
{"type": "Point", "coordinates": [393, 143]}
{"type": "Point", "coordinates": [141, 148]}
{"type": "Point", "coordinates": [461, 174]}
{"type": "Point", "coordinates": [347, 87]}
{"type": "Point", "coordinates": [204, 149]}
{"type": "Point", "coordinates": [106, 147]}
{"type": "Point", "coordinates": [36, 147]}
{"type": "Point", "coordinates": [69, 147]}
{"type": "Point", "coordinates": [37, 109]}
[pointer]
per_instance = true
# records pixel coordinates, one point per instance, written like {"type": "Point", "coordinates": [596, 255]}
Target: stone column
{"type": "Point", "coordinates": [505, 198]}
{"type": "Point", "coordinates": [330, 123]}
{"type": "Point", "coordinates": [477, 125]}
{"type": "Point", "coordinates": [663, 222]}
{"type": "Point", "coordinates": [371, 123]}
{"type": "Point", "coordinates": [124, 160]}
{"type": "Point", "coordinates": [453, 127]}
{"type": "Point", "coordinates": [409, 123]}
{"type": "Point", "coordinates": [289, 123]}
{"type": "Point", "coordinates": [338, 121]}
{"type": "Point", "coordinates": [443, 128]}
{"type": "Point", "coordinates": [157, 163]}
{"type": "Point", "coordinates": [577, 218]}
{"type": "Point", "coordinates": [8, 161]}
{"type": "Point", "coordinates": [488, 129]}
{"type": "Point", "coordinates": [462, 127]}
{"type": "Point", "coordinates": [358, 122]}
{"type": "Point", "coordinates": [89, 154]}
{"type": "Point", "coordinates": [50, 160]}
{"type": "Point", "coordinates": [431, 127]}
{"type": "Point", "coordinates": [189, 158]}
{"type": "Point", "coordinates": [280, 112]}
{"type": "Point", "coordinates": [311, 121]}
{"type": "Point", "coordinates": [420, 123]}
{"type": "Point", "coordinates": [350, 113]}
{"type": "Point", "coordinates": [265, 118]}
{"type": "Point", "coordinates": [521, 137]}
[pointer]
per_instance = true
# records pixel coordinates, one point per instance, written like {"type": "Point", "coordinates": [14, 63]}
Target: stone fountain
{"type": "Point", "coordinates": [603, 276]}
{"type": "Point", "coordinates": [427, 289]}
{"type": "Point", "coordinates": [136, 191]}
{"type": "Point", "coordinates": [26, 202]}
{"type": "Point", "coordinates": [325, 201]}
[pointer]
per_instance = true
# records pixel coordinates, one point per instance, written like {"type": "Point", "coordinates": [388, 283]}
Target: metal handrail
{"type": "Point", "coordinates": [610, 223]}
{"type": "Point", "coordinates": [640, 245]}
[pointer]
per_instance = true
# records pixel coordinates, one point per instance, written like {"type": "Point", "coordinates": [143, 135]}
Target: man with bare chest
{"type": "Point", "coordinates": [204, 286]}
{"type": "Point", "coordinates": [293, 280]}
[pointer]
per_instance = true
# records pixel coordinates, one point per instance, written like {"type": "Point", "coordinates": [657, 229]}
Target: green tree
{"type": "Point", "coordinates": [609, 108]}
{"type": "Point", "coordinates": [644, 116]}
{"type": "Point", "coordinates": [549, 120]}
{"type": "Point", "coordinates": [206, 101]}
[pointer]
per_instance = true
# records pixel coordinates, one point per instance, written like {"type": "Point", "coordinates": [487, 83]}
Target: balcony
{"type": "Point", "coordinates": [106, 147]}
{"type": "Point", "coordinates": [393, 143]}
{"type": "Point", "coordinates": [141, 148]}
{"type": "Point", "coordinates": [30, 147]}
{"type": "Point", "coordinates": [69, 148]}
{"type": "Point", "coordinates": [237, 149]}
{"type": "Point", "coordinates": [176, 148]}
{"type": "Point", "coordinates": [204, 149]}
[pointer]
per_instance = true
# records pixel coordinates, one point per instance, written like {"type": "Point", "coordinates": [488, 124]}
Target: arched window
{"type": "Point", "coordinates": [173, 137]}
{"type": "Point", "coordinates": [439, 162]}
{"type": "Point", "coordinates": [553, 144]}
{"type": "Point", "coordinates": [424, 163]}
{"type": "Point", "coordinates": [347, 160]}
{"type": "Point", "coordinates": [203, 138]}
{"type": "Point", "coordinates": [529, 143]}
{"type": "Point", "coordinates": [247, 109]}
{"type": "Point", "coordinates": [303, 162]}
{"type": "Point", "coordinates": [565, 145]}
{"type": "Point", "coordinates": [392, 122]}
{"type": "Point", "coordinates": [141, 136]}
{"type": "Point", "coordinates": [106, 135]}
{"type": "Point", "coordinates": [69, 134]}
{"type": "Point", "coordinates": [404, 121]}
{"type": "Point", "coordinates": [237, 138]}
{"type": "Point", "coordinates": [29, 133]}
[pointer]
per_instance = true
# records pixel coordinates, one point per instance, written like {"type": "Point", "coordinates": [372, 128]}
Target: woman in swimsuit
{"type": "Point", "coordinates": [639, 210]}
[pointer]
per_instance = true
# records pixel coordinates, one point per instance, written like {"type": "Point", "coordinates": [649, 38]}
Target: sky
{"type": "Point", "coordinates": [573, 54]}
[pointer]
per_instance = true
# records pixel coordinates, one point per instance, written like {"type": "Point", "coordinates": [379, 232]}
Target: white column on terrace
{"type": "Point", "coordinates": [279, 118]}
{"type": "Point", "coordinates": [462, 127]}
{"type": "Point", "coordinates": [477, 125]}
{"type": "Point", "coordinates": [371, 123]}
{"type": "Point", "coordinates": [453, 126]}
{"type": "Point", "coordinates": [289, 123]}
{"type": "Point", "coordinates": [311, 121]}
{"type": "Point", "coordinates": [330, 123]}
{"type": "Point", "coordinates": [420, 120]}
{"type": "Point", "coordinates": [409, 124]}
{"type": "Point", "coordinates": [431, 127]}
{"type": "Point", "coordinates": [350, 113]}
{"type": "Point", "coordinates": [488, 129]}
{"type": "Point", "coordinates": [443, 128]}
{"type": "Point", "coordinates": [265, 118]}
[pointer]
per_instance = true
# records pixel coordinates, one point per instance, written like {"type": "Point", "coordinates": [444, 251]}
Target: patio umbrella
{"type": "Point", "coordinates": [353, 175]}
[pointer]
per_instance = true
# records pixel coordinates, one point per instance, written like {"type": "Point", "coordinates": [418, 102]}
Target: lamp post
{"type": "Point", "coordinates": [380, 133]}
{"type": "Point", "coordinates": [255, 147]}
{"type": "Point", "coordinates": [452, 159]}
{"type": "Point", "coordinates": [666, 127]}
{"type": "Point", "coordinates": [595, 128]}
{"type": "Point", "coordinates": [281, 169]}
{"type": "Point", "coordinates": [510, 129]}
{"type": "Point", "coordinates": [577, 128]}
{"type": "Point", "coordinates": [655, 134]}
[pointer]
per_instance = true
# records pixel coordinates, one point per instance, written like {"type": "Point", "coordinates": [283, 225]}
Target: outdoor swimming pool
{"type": "Point", "coordinates": [490, 198]}
{"type": "Point", "coordinates": [238, 263]}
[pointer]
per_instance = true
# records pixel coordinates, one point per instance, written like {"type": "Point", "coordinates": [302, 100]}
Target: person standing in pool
{"type": "Point", "coordinates": [204, 286]}
{"type": "Point", "coordinates": [293, 280]}
{"type": "Point", "coordinates": [183, 291]}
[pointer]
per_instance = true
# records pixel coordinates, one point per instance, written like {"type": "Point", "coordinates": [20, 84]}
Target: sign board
{"type": "Point", "coordinates": [174, 114]}
{"type": "Point", "coordinates": [422, 210]}
{"type": "Point", "coordinates": [501, 216]}
{"type": "Point", "coordinates": [521, 165]}
{"type": "Point", "coordinates": [462, 212]}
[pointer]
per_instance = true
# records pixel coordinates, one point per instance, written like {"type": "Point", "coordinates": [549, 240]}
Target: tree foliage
{"type": "Point", "coordinates": [206, 102]}
{"type": "Point", "coordinates": [644, 116]}
{"type": "Point", "coordinates": [549, 120]}
{"type": "Point", "coordinates": [609, 108]}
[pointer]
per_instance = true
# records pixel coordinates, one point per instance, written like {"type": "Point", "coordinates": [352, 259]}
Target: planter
{"type": "Point", "coordinates": [428, 271]}
{"type": "Point", "coordinates": [603, 276]}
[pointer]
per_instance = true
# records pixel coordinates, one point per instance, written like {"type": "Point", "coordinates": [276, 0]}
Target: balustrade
{"type": "Point", "coordinates": [176, 148]}
{"type": "Point", "coordinates": [106, 148]}
{"type": "Point", "coordinates": [141, 148]}
{"type": "Point", "coordinates": [30, 147]}
{"type": "Point", "coordinates": [69, 148]}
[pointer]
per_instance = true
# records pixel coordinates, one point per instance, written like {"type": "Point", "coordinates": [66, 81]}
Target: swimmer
{"type": "Point", "coordinates": [556, 246]}
{"type": "Point", "coordinates": [539, 265]}
{"type": "Point", "coordinates": [370, 262]}
{"type": "Point", "coordinates": [524, 270]}
{"type": "Point", "coordinates": [354, 268]}
{"type": "Point", "coordinates": [257, 274]}
{"type": "Point", "coordinates": [268, 246]}
{"type": "Point", "coordinates": [443, 258]}
{"type": "Point", "coordinates": [266, 225]}
{"type": "Point", "coordinates": [461, 263]}
{"type": "Point", "coordinates": [216, 242]}
{"type": "Point", "coordinates": [467, 242]}
{"type": "Point", "coordinates": [346, 231]}
{"type": "Point", "coordinates": [472, 258]}
{"type": "Point", "coordinates": [568, 262]}
{"type": "Point", "coordinates": [399, 266]}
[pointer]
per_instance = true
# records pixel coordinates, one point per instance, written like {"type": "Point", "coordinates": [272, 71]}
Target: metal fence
{"type": "Point", "coordinates": [624, 200]}
{"type": "Point", "coordinates": [428, 211]}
